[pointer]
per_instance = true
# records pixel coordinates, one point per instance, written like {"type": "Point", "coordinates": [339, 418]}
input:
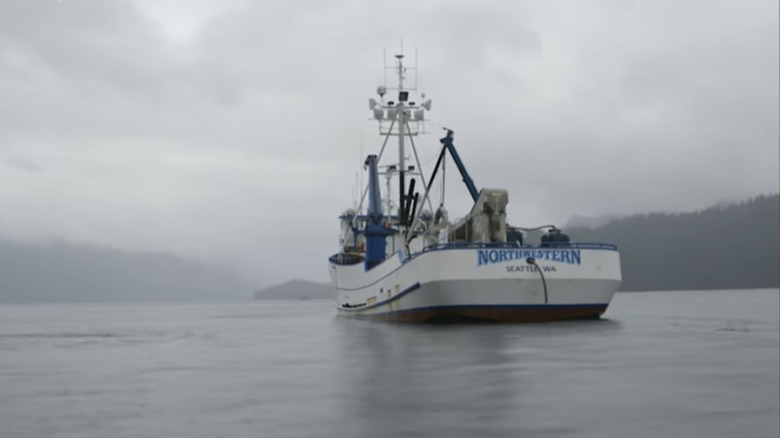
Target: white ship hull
{"type": "Point", "coordinates": [493, 283]}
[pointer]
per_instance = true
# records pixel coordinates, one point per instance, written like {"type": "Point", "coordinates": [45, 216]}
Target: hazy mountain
{"type": "Point", "coordinates": [578, 221]}
{"type": "Point", "coordinates": [62, 272]}
{"type": "Point", "coordinates": [295, 290]}
{"type": "Point", "coordinates": [725, 246]}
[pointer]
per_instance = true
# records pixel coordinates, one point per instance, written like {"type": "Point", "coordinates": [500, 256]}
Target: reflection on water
{"type": "Point", "coordinates": [410, 376]}
{"type": "Point", "coordinates": [466, 379]}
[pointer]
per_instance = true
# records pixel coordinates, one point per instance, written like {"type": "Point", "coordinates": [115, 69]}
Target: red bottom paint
{"type": "Point", "coordinates": [504, 314]}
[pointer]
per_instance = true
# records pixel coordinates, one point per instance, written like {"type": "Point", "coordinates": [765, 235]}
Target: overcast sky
{"type": "Point", "coordinates": [231, 131]}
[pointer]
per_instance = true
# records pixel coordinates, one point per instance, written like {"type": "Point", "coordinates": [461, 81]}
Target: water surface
{"type": "Point", "coordinates": [676, 364]}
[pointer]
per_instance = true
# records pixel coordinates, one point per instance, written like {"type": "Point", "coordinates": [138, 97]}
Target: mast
{"type": "Point", "coordinates": [402, 97]}
{"type": "Point", "coordinates": [405, 117]}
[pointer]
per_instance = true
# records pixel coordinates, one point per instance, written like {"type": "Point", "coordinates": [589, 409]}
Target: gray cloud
{"type": "Point", "coordinates": [21, 164]}
{"type": "Point", "coordinates": [239, 140]}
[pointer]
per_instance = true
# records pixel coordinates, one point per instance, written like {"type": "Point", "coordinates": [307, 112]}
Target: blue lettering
{"type": "Point", "coordinates": [569, 256]}
{"type": "Point", "coordinates": [482, 257]}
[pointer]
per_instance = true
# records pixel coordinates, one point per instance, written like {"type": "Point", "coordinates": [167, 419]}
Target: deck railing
{"type": "Point", "coordinates": [516, 245]}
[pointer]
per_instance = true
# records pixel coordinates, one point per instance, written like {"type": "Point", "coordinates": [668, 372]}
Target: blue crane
{"type": "Point", "coordinates": [449, 146]}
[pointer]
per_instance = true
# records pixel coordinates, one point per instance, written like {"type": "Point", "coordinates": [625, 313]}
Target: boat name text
{"type": "Point", "coordinates": [490, 256]}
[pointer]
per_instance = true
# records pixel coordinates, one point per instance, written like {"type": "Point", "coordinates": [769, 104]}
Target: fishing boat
{"type": "Point", "coordinates": [402, 260]}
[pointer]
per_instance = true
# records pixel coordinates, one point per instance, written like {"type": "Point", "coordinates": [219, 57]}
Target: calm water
{"type": "Point", "coordinates": [662, 364]}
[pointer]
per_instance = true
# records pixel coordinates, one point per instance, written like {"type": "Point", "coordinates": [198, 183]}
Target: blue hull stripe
{"type": "Point", "coordinates": [382, 303]}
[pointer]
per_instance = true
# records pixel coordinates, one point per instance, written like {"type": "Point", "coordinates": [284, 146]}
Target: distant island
{"type": "Point", "coordinates": [296, 290]}
{"type": "Point", "coordinates": [734, 246]}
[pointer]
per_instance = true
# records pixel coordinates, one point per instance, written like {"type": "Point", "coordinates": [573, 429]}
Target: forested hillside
{"type": "Point", "coordinates": [735, 246]}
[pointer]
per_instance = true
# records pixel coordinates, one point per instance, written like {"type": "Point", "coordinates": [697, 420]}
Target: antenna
{"type": "Point", "coordinates": [401, 94]}
{"type": "Point", "coordinates": [415, 72]}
